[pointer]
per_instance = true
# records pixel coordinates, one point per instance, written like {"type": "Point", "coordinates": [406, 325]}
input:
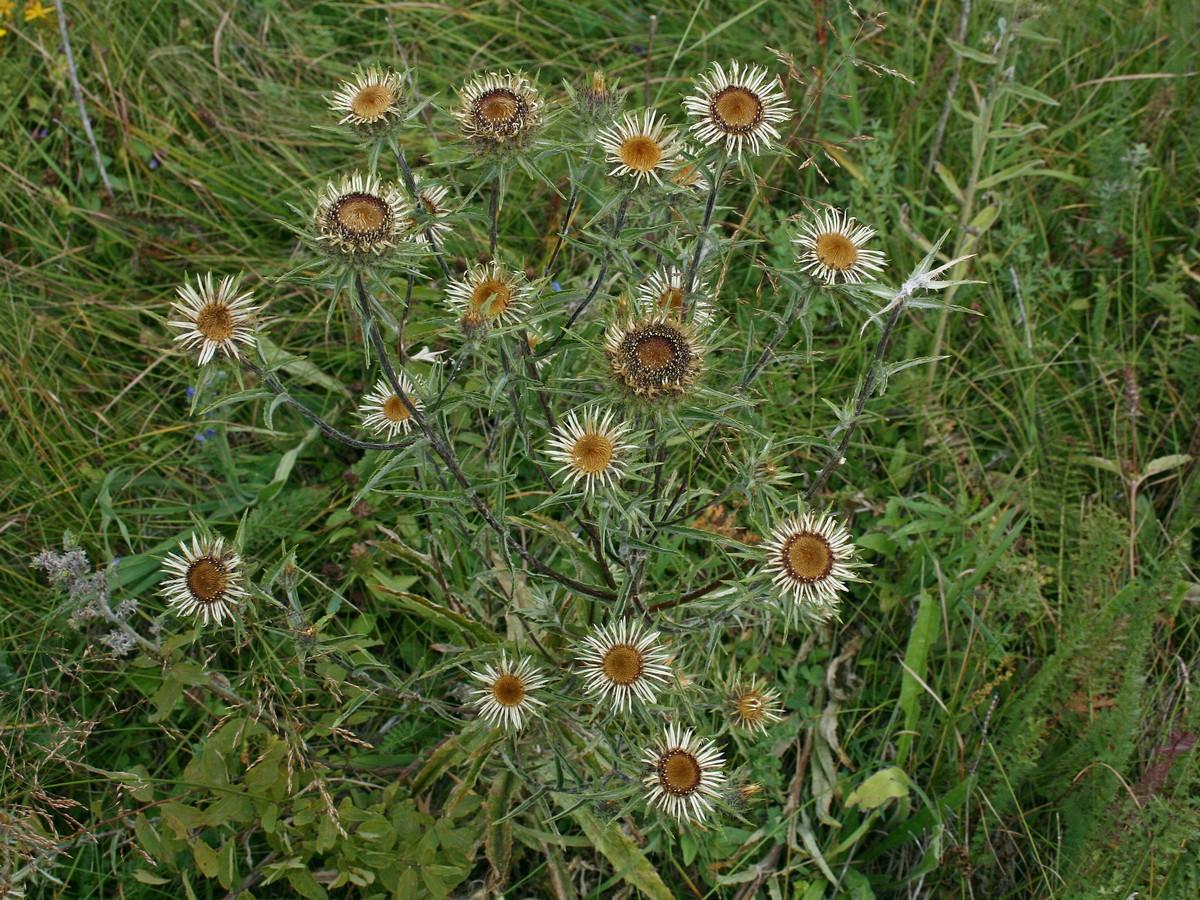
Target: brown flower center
{"type": "Point", "coordinates": [836, 251]}
{"type": "Point", "coordinates": [361, 214]}
{"type": "Point", "coordinates": [509, 690]}
{"type": "Point", "coordinates": [671, 299]}
{"type": "Point", "coordinates": [622, 664]}
{"type": "Point", "coordinates": [497, 107]}
{"type": "Point", "coordinates": [640, 153]}
{"type": "Point", "coordinates": [491, 297]}
{"type": "Point", "coordinates": [679, 772]}
{"type": "Point", "coordinates": [686, 175]}
{"type": "Point", "coordinates": [372, 101]}
{"type": "Point", "coordinates": [207, 580]}
{"type": "Point", "coordinates": [394, 409]}
{"type": "Point", "coordinates": [750, 706]}
{"type": "Point", "coordinates": [592, 453]}
{"type": "Point", "coordinates": [654, 351]}
{"type": "Point", "coordinates": [807, 557]}
{"type": "Point", "coordinates": [215, 322]}
{"type": "Point", "coordinates": [737, 109]}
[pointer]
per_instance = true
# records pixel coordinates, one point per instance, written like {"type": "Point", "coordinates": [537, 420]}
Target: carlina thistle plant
{"type": "Point", "coordinates": [214, 316]}
{"type": "Point", "coordinates": [507, 696]}
{"type": "Point", "coordinates": [360, 219]}
{"type": "Point", "coordinates": [373, 102]}
{"type": "Point", "coordinates": [641, 148]}
{"type": "Point", "coordinates": [431, 204]}
{"type": "Point", "coordinates": [654, 356]}
{"type": "Point", "coordinates": [489, 295]}
{"type": "Point", "coordinates": [687, 774]}
{"type": "Point", "coordinates": [384, 412]}
{"type": "Point", "coordinates": [623, 661]}
{"type": "Point", "coordinates": [832, 246]}
{"type": "Point", "coordinates": [753, 706]}
{"type": "Point", "coordinates": [204, 579]}
{"type": "Point", "coordinates": [499, 108]}
{"type": "Point", "coordinates": [591, 451]}
{"type": "Point", "coordinates": [739, 108]}
{"type": "Point", "coordinates": [663, 292]}
{"type": "Point", "coordinates": [810, 559]}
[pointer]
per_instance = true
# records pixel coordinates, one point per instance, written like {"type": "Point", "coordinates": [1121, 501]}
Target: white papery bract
{"type": "Point", "coordinates": [591, 450]}
{"type": "Point", "coordinates": [214, 316]}
{"type": "Point", "coordinates": [623, 661]}
{"type": "Point", "coordinates": [687, 774]}
{"type": "Point", "coordinates": [384, 412]}
{"type": "Point", "coordinates": [739, 108]}
{"type": "Point", "coordinates": [203, 579]}
{"type": "Point", "coordinates": [809, 558]}
{"type": "Point", "coordinates": [832, 247]}
{"type": "Point", "coordinates": [641, 147]}
{"type": "Point", "coordinates": [507, 696]}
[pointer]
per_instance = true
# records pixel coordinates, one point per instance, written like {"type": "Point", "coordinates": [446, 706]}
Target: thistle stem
{"type": "Point", "coordinates": [702, 237]}
{"type": "Point", "coordinates": [447, 455]}
{"type": "Point", "coordinates": [618, 223]}
{"type": "Point", "coordinates": [864, 393]}
{"type": "Point", "coordinates": [410, 184]}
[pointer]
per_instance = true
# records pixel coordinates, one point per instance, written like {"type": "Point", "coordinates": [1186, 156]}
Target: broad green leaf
{"type": "Point", "coordinates": [886, 784]}
{"type": "Point", "coordinates": [1165, 464]}
{"type": "Point", "coordinates": [627, 860]}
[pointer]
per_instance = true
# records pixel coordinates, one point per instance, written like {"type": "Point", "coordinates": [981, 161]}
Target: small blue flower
{"type": "Point", "coordinates": [205, 434]}
{"type": "Point", "coordinates": [154, 163]}
{"type": "Point", "coordinates": [555, 286]}
{"type": "Point", "coordinates": [191, 391]}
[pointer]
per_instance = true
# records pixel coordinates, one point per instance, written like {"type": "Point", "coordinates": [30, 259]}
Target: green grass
{"type": "Point", "coordinates": [1024, 646]}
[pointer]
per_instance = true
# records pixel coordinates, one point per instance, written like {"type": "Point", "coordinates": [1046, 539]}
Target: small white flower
{"type": "Point", "coordinates": [831, 246]}
{"type": "Point", "coordinates": [372, 102]}
{"type": "Point", "coordinates": [740, 108]}
{"type": "Point", "coordinates": [215, 316]}
{"type": "Point", "coordinates": [753, 705]}
{"type": "Point", "coordinates": [621, 661]}
{"type": "Point", "coordinates": [810, 559]}
{"type": "Point", "coordinates": [489, 295]}
{"type": "Point", "coordinates": [499, 108]}
{"type": "Point", "coordinates": [507, 695]}
{"type": "Point", "coordinates": [663, 292]}
{"type": "Point", "coordinates": [590, 451]}
{"type": "Point", "coordinates": [686, 775]}
{"type": "Point", "coordinates": [360, 217]}
{"type": "Point", "coordinates": [384, 412]}
{"type": "Point", "coordinates": [640, 148]}
{"type": "Point", "coordinates": [203, 579]}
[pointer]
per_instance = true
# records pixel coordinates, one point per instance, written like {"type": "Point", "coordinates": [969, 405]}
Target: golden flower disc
{"type": "Point", "coordinates": [508, 690]}
{"type": "Point", "coordinates": [372, 101]}
{"type": "Point", "coordinates": [622, 664]}
{"type": "Point", "coordinates": [836, 251]}
{"type": "Point", "coordinates": [640, 153]}
{"type": "Point", "coordinates": [750, 706]}
{"type": "Point", "coordinates": [361, 213]}
{"type": "Point", "coordinates": [808, 557]}
{"type": "Point", "coordinates": [737, 109]}
{"type": "Point", "coordinates": [207, 579]}
{"type": "Point", "coordinates": [215, 322]}
{"type": "Point", "coordinates": [655, 351]}
{"type": "Point", "coordinates": [592, 453]}
{"type": "Point", "coordinates": [679, 772]}
{"type": "Point", "coordinates": [395, 410]}
{"type": "Point", "coordinates": [498, 106]}
{"type": "Point", "coordinates": [491, 297]}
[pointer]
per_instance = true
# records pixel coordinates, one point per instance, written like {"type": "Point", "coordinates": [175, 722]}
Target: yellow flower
{"type": "Point", "coordinates": [6, 8]}
{"type": "Point", "coordinates": [37, 10]}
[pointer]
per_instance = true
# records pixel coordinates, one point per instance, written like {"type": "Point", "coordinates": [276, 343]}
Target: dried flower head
{"type": "Point", "coordinates": [810, 559]}
{"type": "Point", "coordinates": [597, 98]}
{"type": "Point", "coordinates": [431, 204]}
{"type": "Point", "coordinates": [686, 775]}
{"type": "Point", "coordinates": [831, 246]}
{"type": "Point", "coordinates": [215, 316]}
{"type": "Point", "coordinates": [499, 108]}
{"type": "Point", "coordinates": [361, 218]}
{"type": "Point", "coordinates": [489, 295]}
{"type": "Point", "coordinates": [383, 411]}
{"type": "Point", "coordinates": [740, 108]}
{"type": "Point", "coordinates": [372, 102]}
{"type": "Point", "coordinates": [753, 706]}
{"type": "Point", "coordinates": [203, 579]}
{"type": "Point", "coordinates": [641, 148]}
{"type": "Point", "coordinates": [507, 696]}
{"type": "Point", "coordinates": [591, 450]}
{"type": "Point", "coordinates": [654, 355]}
{"type": "Point", "coordinates": [664, 291]}
{"type": "Point", "coordinates": [622, 661]}
{"type": "Point", "coordinates": [688, 176]}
